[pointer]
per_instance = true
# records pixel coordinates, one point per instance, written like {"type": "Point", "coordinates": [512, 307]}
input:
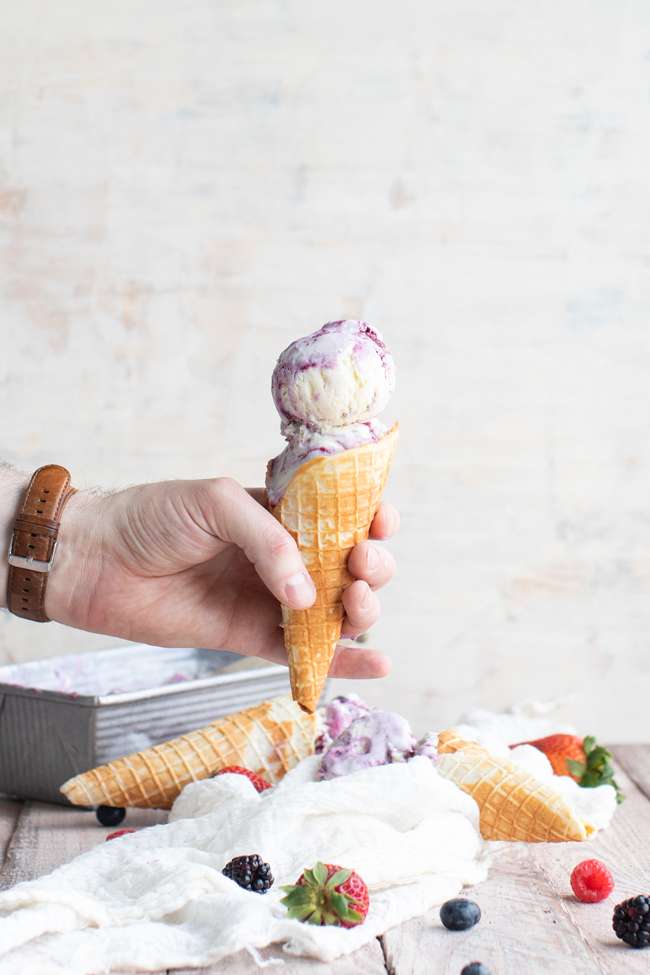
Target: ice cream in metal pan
{"type": "Point", "coordinates": [325, 487]}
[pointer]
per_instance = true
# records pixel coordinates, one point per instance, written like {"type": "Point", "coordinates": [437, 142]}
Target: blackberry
{"type": "Point", "coordinates": [475, 968]}
{"type": "Point", "coordinates": [250, 872]}
{"type": "Point", "coordinates": [631, 921]}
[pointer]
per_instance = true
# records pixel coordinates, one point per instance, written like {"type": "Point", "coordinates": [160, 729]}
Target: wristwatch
{"type": "Point", "coordinates": [33, 542]}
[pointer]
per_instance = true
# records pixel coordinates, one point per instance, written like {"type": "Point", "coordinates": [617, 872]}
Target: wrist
{"type": "Point", "coordinates": [71, 579]}
{"type": "Point", "coordinates": [13, 486]}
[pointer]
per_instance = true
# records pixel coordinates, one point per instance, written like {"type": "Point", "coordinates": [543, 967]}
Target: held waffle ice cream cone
{"type": "Point", "coordinates": [328, 507]}
{"type": "Point", "coordinates": [327, 484]}
{"type": "Point", "coordinates": [513, 803]}
{"type": "Point", "coordinates": [268, 739]}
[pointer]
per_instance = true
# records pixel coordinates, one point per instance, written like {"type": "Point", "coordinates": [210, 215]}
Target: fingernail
{"type": "Point", "coordinates": [300, 588]}
{"type": "Point", "coordinates": [372, 557]}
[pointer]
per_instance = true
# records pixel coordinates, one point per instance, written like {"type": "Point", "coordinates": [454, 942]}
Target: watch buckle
{"type": "Point", "coordinates": [27, 562]}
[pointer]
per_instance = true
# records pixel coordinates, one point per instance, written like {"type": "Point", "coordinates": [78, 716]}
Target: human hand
{"type": "Point", "coordinates": [202, 563]}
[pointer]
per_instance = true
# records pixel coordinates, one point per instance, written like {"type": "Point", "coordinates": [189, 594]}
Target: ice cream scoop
{"type": "Point", "coordinates": [339, 375]}
{"type": "Point", "coordinates": [341, 711]}
{"type": "Point", "coordinates": [376, 738]}
{"type": "Point", "coordinates": [328, 387]}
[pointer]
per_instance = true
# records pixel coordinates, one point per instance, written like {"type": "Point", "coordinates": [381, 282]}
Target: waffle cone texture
{"type": "Point", "coordinates": [268, 739]}
{"type": "Point", "coordinates": [513, 804]}
{"type": "Point", "coordinates": [328, 508]}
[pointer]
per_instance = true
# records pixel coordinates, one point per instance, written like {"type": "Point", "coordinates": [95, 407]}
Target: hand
{"type": "Point", "coordinates": [202, 564]}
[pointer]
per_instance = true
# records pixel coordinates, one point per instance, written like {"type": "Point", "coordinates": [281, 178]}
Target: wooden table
{"type": "Point", "coordinates": [532, 925]}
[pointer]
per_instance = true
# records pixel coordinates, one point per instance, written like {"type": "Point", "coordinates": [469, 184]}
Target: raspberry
{"type": "Point", "coordinates": [119, 832]}
{"type": "Point", "coordinates": [592, 881]}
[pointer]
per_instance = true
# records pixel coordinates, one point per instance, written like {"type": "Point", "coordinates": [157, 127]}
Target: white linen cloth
{"type": "Point", "coordinates": [157, 898]}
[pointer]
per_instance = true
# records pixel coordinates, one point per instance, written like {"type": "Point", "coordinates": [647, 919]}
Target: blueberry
{"type": "Point", "coordinates": [475, 968]}
{"type": "Point", "coordinates": [460, 914]}
{"type": "Point", "coordinates": [110, 815]}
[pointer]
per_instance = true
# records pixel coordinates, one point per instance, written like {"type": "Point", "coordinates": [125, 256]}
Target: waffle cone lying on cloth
{"type": "Point", "coordinates": [268, 739]}
{"type": "Point", "coordinates": [513, 803]}
{"type": "Point", "coordinates": [328, 508]}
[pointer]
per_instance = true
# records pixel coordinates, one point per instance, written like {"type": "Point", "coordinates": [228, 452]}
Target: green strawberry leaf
{"type": "Point", "coordinates": [299, 895]}
{"type": "Point", "coordinates": [297, 905]}
{"type": "Point", "coordinates": [339, 877]}
{"type": "Point", "coordinates": [305, 915]}
{"type": "Point", "coordinates": [589, 743]}
{"type": "Point", "coordinates": [309, 877]}
{"type": "Point", "coordinates": [340, 904]}
{"type": "Point", "coordinates": [576, 768]}
{"type": "Point", "coordinates": [319, 871]}
{"type": "Point", "coordinates": [353, 916]}
{"type": "Point", "coordinates": [598, 770]}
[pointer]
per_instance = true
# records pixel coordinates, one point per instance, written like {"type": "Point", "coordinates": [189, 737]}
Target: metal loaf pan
{"type": "Point", "coordinates": [64, 715]}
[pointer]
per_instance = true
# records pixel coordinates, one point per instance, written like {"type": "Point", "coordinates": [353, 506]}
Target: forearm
{"type": "Point", "coordinates": [13, 485]}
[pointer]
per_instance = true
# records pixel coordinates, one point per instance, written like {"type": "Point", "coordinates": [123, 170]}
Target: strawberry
{"type": "Point", "coordinates": [260, 784]}
{"type": "Point", "coordinates": [559, 749]}
{"type": "Point", "coordinates": [588, 763]}
{"type": "Point", "coordinates": [328, 894]}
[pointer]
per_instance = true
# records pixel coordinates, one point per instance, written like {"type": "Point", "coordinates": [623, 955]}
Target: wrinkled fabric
{"type": "Point", "coordinates": [157, 898]}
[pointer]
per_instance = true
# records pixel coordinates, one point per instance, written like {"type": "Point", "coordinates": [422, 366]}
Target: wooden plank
{"type": "Point", "coordinates": [10, 810]}
{"type": "Point", "coordinates": [635, 759]}
{"type": "Point", "coordinates": [48, 835]}
{"type": "Point", "coordinates": [531, 921]}
{"type": "Point", "coordinates": [45, 836]}
{"type": "Point", "coordinates": [368, 960]}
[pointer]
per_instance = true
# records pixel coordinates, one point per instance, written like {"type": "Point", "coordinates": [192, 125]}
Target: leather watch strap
{"type": "Point", "coordinates": [34, 540]}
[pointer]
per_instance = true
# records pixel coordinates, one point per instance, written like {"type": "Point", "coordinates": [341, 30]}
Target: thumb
{"type": "Point", "coordinates": [239, 519]}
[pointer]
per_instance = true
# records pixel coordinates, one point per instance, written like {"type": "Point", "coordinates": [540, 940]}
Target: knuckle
{"type": "Point", "coordinates": [225, 488]}
{"type": "Point", "coordinates": [278, 541]}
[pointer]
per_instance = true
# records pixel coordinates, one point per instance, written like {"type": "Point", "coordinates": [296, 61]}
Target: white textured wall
{"type": "Point", "coordinates": [186, 188]}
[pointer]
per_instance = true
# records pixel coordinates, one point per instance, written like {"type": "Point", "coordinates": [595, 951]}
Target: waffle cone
{"type": "Point", "coordinates": [513, 804]}
{"type": "Point", "coordinates": [328, 508]}
{"type": "Point", "coordinates": [268, 739]}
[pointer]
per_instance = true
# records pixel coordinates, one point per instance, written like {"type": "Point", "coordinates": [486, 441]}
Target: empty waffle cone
{"type": "Point", "coordinates": [328, 508]}
{"type": "Point", "coordinates": [513, 803]}
{"type": "Point", "coordinates": [268, 739]}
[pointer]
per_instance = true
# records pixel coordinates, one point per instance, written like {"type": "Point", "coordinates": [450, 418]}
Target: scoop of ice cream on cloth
{"type": "Point", "coordinates": [157, 899]}
{"type": "Point", "coordinates": [358, 737]}
{"type": "Point", "coordinates": [326, 485]}
{"type": "Point", "coordinates": [518, 795]}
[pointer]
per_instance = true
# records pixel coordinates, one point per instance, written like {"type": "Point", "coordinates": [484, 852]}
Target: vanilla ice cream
{"type": "Point", "coordinates": [328, 388]}
{"type": "Point", "coordinates": [339, 375]}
